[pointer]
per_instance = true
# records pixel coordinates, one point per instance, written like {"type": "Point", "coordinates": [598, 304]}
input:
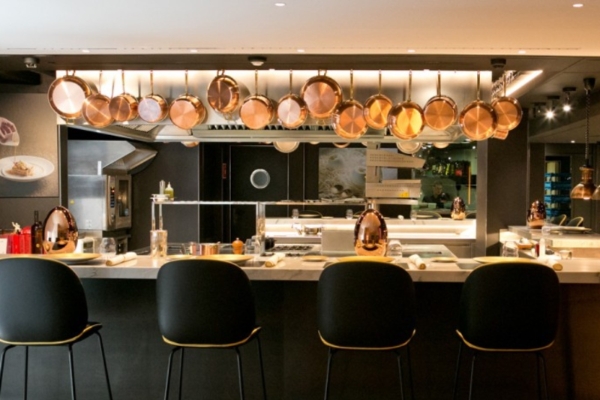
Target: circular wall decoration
{"type": "Point", "coordinates": [260, 178]}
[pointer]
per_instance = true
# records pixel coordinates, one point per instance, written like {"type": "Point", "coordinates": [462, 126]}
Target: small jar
{"type": "Point", "coordinates": [238, 246]}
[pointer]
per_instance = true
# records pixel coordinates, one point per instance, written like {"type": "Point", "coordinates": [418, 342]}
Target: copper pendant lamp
{"type": "Point", "coordinates": [586, 188]}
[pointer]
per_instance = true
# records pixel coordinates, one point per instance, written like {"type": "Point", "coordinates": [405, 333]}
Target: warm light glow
{"type": "Point", "coordinates": [410, 50]}
{"type": "Point", "coordinates": [85, 50]}
{"type": "Point", "coordinates": [521, 81]}
{"type": "Point", "coordinates": [577, 5]}
{"type": "Point", "coordinates": [572, 141]}
{"type": "Point", "coordinates": [550, 114]}
{"type": "Point", "coordinates": [567, 107]}
{"type": "Point", "coordinates": [522, 51]}
{"type": "Point", "coordinates": [280, 4]}
{"type": "Point", "coordinates": [300, 50]}
{"type": "Point", "coordinates": [193, 51]}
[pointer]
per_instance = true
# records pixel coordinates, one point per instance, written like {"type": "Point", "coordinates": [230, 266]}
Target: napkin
{"type": "Point", "coordinates": [274, 259]}
{"type": "Point", "coordinates": [121, 258]}
{"type": "Point", "coordinates": [416, 262]}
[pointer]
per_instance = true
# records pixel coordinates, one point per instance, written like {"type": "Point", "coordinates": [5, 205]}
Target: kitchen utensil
{"type": "Point", "coordinates": [67, 95]}
{"type": "Point", "coordinates": [440, 112]}
{"type": "Point", "coordinates": [153, 107]}
{"type": "Point", "coordinates": [348, 119]}
{"type": "Point", "coordinates": [478, 119]}
{"type": "Point", "coordinates": [409, 147]}
{"type": "Point", "coordinates": [123, 107]}
{"type": "Point", "coordinates": [370, 234]}
{"type": "Point", "coordinates": [187, 110]}
{"type": "Point", "coordinates": [322, 95]}
{"type": "Point", "coordinates": [223, 95]}
{"type": "Point", "coordinates": [60, 231]}
{"type": "Point", "coordinates": [257, 110]}
{"type": "Point", "coordinates": [536, 215]}
{"type": "Point", "coordinates": [377, 108]}
{"type": "Point", "coordinates": [96, 108]}
{"type": "Point", "coordinates": [508, 111]}
{"type": "Point", "coordinates": [405, 119]}
{"type": "Point", "coordinates": [291, 109]}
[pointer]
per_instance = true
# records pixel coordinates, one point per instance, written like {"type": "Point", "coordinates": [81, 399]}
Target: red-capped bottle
{"type": "Point", "coordinates": [36, 235]}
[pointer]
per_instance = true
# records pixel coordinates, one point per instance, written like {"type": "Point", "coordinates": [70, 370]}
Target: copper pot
{"type": "Point", "coordinates": [405, 119]}
{"type": "Point", "coordinates": [377, 108]}
{"type": "Point", "coordinates": [508, 110]}
{"type": "Point", "coordinates": [322, 95]}
{"type": "Point", "coordinates": [60, 231]}
{"type": "Point", "coordinates": [67, 95]}
{"type": "Point", "coordinates": [291, 109]}
{"type": "Point", "coordinates": [440, 112]}
{"type": "Point", "coordinates": [187, 110]}
{"type": "Point", "coordinates": [123, 107]}
{"type": "Point", "coordinates": [206, 249]}
{"type": "Point", "coordinates": [96, 108]}
{"type": "Point", "coordinates": [223, 94]}
{"type": "Point", "coordinates": [370, 234]}
{"type": "Point", "coordinates": [153, 107]}
{"type": "Point", "coordinates": [478, 119]}
{"type": "Point", "coordinates": [348, 119]}
{"type": "Point", "coordinates": [257, 110]}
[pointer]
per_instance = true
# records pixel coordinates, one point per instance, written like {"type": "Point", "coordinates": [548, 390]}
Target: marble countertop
{"type": "Point", "coordinates": [295, 269]}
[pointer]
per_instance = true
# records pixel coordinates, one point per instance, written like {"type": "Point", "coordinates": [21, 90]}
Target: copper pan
{"type": "Point", "coordinates": [348, 120]}
{"type": "Point", "coordinates": [95, 109]}
{"type": "Point", "coordinates": [223, 94]}
{"type": "Point", "coordinates": [508, 110]}
{"type": "Point", "coordinates": [291, 109]}
{"type": "Point", "coordinates": [440, 112]}
{"type": "Point", "coordinates": [322, 95]}
{"type": "Point", "coordinates": [405, 119]}
{"type": "Point", "coordinates": [187, 110]}
{"type": "Point", "coordinates": [377, 108]}
{"type": "Point", "coordinates": [153, 107]}
{"type": "Point", "coordinates": [67, 94]}
{"type": "Point", "coordinates": [124, 107]}
{"type": "Point", "coordinates": [478, 119]}
{"type": "Point", "coordinates": [500, 134]}
{"type": "Point", "coordinates": [257, 110]}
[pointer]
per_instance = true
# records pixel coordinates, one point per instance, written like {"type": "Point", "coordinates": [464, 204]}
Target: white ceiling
{"type": "Point", "coordinates": [550, 35]}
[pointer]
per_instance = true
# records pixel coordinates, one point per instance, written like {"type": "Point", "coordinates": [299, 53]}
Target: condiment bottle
{"type": "Point", "coordinates": [169, 191]}
{"type": "Point", "coordinates": [36, 234]}
{"type": "Point", "coordinates": [238, 246]}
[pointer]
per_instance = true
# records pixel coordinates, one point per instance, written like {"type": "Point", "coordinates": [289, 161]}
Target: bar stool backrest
{"type": "Point", "coordinates": [366, 304]}
{"type": "Point", "coordinates": [41, 301]}
{"type": "Point", "coordinates": [510, 306]}
{"type": "Point", "coordinates": [204, 302]}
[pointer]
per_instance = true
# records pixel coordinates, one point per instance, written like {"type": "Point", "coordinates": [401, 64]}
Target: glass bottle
{"type": "Point", "coordinates": [36, 235]}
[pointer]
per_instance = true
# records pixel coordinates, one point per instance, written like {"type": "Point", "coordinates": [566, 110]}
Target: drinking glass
{"type": "Point", "coordinates": [295, 213]}
{"type": "Point", "coordinates": [510, 249]}
{"type": "Point", "coordinates": [413, 215]}
{"type": "Point", "coordinates": [349, 214]}
{"type": "Point", "coordinates": [158, 243]}
{"type": "Point", "coordinates": [107, 248]}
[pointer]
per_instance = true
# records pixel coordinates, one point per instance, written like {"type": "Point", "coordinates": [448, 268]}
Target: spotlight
{"type": "Point", "coordinates": [31, 62]}
{"type": "Point", "coordinates": [567, 107]}
{"type": "Point", "coordinates": [257, 61]}
{"type": "Point", "coordinates": [550, 108]}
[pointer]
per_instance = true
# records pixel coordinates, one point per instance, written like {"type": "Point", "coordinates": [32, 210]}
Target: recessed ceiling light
{"type": "Point", "coordinates": [280, 4]}
{"type": "Point", "coordinates": [577, 5]}
{"type": "Point", "coordinates": [300, 50]}
{"type": "Point", "coordinates": [410, 50]}
{"type": "Point", "coordinates": [522, 52]}
{"type": "Point", "coordinates": [85, 50]}
{"type": "Point", "coordinates": [572, 141]}
{"type": "Point", "coordinates": [193, 50]}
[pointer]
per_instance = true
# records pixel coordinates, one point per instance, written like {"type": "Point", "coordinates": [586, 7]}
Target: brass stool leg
{"type": "Point", "coordinates": [2, 363]}
{"type": "Point", "coordinates": [329, 362]}
{"type": "Point", "coordinates": [240, 373]}
{"type": "Point", "coordinates": [262, 371]}
{"type": "Point", "coordinates": [104, 363]}
{"type": "Point", "coordinates": [400, 372]}
{"type": "Point", "coordinates": [26, 368]}
{"type": "Point", "coordinates": [73, 395]}
{"type": "Point", "coordinates": [168, 383]}
{"type": "Point", "coordinates": [457, 370]}
{"type": "Point", "coordinates": [181, 373]}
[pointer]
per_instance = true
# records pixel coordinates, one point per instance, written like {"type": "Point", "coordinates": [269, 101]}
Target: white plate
{"type": "Point", "coordinates": [41, 168]}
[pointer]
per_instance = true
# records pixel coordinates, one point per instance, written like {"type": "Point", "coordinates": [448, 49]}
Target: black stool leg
{"type": "Point", "coordinates": [240, 373]}
{"type": "Point", "coordinates": [410, 379]}
{"type": "Point", "coordinates": [26, 368]}
{"type": "Point", "coordinates": [329, 362]}
{"type": "Point", "coordinates": [400, 373]}
{"type": "Point", "coordinates": [262, 371]}
{"type": "Point", "coordinates": [73, 395]}
{"type": "Point", "coordinates": [457, 370]}
{"type": "Point", "coordinates": [181, 373]}
{"type": "Point", "coordinates": [2, 363]}
{"type": "Point", "coordinates": [540, 357]}
{"type": "Point", "coordinates": [472, 374]}
{"type": "Point", "coordinates": [104, 363]}
{"type": "Point", "coordinates": [167, 385]}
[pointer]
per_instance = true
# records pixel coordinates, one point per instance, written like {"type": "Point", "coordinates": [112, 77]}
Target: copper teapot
{"type": "Point", "coordinates": [370, 234]}
{"type": "Point", "coordinates": [60, 231]}
{"type": "Point", "coordinates": [536, 215]}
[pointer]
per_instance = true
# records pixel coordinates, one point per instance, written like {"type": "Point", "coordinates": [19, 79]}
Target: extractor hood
{"type": "Point", "coordinates": [110, 157]}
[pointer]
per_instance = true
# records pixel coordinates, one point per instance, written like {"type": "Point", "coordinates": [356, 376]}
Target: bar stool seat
{"type": "Point", "coordinates": [508, 307]}
{"type": "Point", "coordinates": [42, 303]}
{"type": "Point", "coordinates": [366, 306]}
{"type": "Point", "coordinates": [206, 304]}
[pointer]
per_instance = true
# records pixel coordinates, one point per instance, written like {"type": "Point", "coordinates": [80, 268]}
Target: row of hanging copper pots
{"type": "Point", "coordinates": [320, 97]}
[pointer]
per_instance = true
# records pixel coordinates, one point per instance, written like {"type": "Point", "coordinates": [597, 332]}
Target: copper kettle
{"type": "Point", "coordinates": [536, 215]}
{"type": "Point", "coordinates": [370, 234]}
{"type": "Point", "coordinates": [60, 231]}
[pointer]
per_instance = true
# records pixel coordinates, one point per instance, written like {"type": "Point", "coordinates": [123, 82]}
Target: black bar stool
{"type": "Point", "coordinates": [206, 304]}
{"type": "Point", "coordinates": [366, 305]}
{"type": "Point", "coordinates": [42, 303]}
{"type": "Point", "coordinates": [509, 307]}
